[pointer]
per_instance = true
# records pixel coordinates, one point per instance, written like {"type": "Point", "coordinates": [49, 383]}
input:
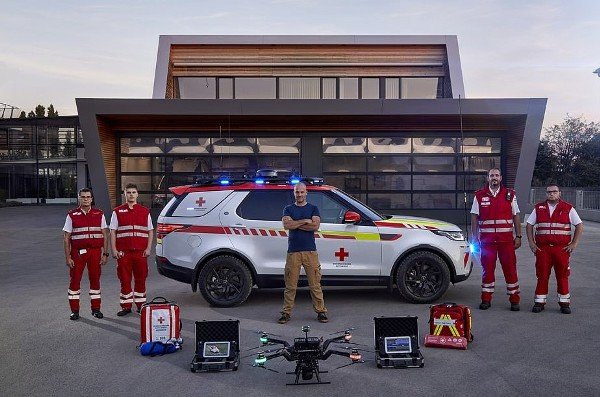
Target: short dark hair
{"type": "Point", "coordinates": [553, 184]}
{"type": "Point", "coordinates": [85, 190]}
{"type": "Point", "coordinates": [495, 168]}
{"type": "Point", "coordinates": [131, 186]}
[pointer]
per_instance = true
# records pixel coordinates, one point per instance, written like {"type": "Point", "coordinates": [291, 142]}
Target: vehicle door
{"type": "Point", "coordinates": [344, 249]}
{"type": "Point", "coordinates": [253, 220]}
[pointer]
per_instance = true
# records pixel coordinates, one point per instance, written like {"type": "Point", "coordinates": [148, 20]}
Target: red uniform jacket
{"type": "Point", "coordinates": [555, 229]}
{"type": "Point", "coordinates": [132, 231]}
{"type": "Point", "coordinates": [495, 215]}
{"type": "Point", "coordinates": [87, 229]}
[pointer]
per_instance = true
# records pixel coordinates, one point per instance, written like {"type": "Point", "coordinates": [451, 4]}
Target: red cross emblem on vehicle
{"type": "Point", "coordinates": [200, 201]}
{"type": "Point", "coordinates": [161, 320]}
{"type": "Point", "coordinates": [342, 254]}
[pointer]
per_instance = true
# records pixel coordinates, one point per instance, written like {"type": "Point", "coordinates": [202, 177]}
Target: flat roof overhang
{"type": "Point", "coordinates": [100, 119]}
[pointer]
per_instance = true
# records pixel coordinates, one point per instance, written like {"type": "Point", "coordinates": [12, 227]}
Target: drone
{"type": "Point", "coordinates": [307, 351]}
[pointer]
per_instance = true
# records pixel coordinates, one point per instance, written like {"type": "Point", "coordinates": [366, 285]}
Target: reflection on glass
{"type": "Point", "coordinates": [434, 200]}
{"type": "Point", "coordinates": [187, 164]}
{"type": "Point", "coordinates": [226, 88]}
{"type": "Point", "coordinates": [434, 145]}
{"type": "Point", "coordinates": [21, 135]}
{"type": "Point", "coordinates": [349, 88]}
{"type": "Point", "coordinates": [434, 182]}
{"type": "Point", "coordinates": [233, 145]}
{"type": "Point", "coordinates": [481, 145]}
{"type": "Point", "coordinates": [389, 182]}
{"type": "Point", "coordinates": [389, 164]}
{"type": "Point", "coordinates": [344, 164]}
{"type": "Point", "coordinates": [369, 88]}
{"type": "Point", "coordinates": [392, 88]}
{"type": "Point", "coordinates": [434, 164]}
{"type": "Point", "coordinates": [348, 183]}
{"type": "Point", "coordinates": [299, 88]}
{"type": "Point", "coordinates": [136, 164]}
{"type": "Point", "coordinates": [389, 145]}
{"type": "Point", "coordinates": [187, 145]}
{"type": "Point", "coordinates": [143, 182]}
{"type": "Point", "coordinates": [419, 87]}
{"type": "Point", "coordinates": [232, 164]}
{"type": "Point", "coordinates": [479, 163]}
{"type": "Point", "coordinates": [278, 145]}
{"type": "Point", "coordinates": [472, 182]}
{"type": "Point", "coordinates": [291, 163]}
{"type": "Point", "coordinates": [329, 88]}
{"type": "Point", "coordinates": [197, 87]}
{"type": "Point", "coordinates": [255, 87]}
{"type": "Point", "coordinates": [379, 201]}
{"type": "Point", "coordinates": [344, 145]}
{"type": "Point", "coordinates": [141, 145]}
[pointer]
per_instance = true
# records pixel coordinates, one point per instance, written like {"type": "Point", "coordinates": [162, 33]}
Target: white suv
{"type": "Point", "coordinates": [223, 237]}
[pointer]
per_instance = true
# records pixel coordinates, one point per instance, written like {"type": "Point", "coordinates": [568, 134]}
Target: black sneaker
{"type": "Point", "coordinates": [123, 312]}
{"type": "Point", "coordinates": [284, 318]}
{"type": "Point", "coordinates": [565, 310]}
{"type": "Point", "coordinates": [484, 305]}
{"type": "Point", "coordinates": [322, 318]}
{"type": "Point", "coordinates": [515, 307]}
{"type": "Point", "coordinates": [97, 314]}
{"type": "Point", "coordinates": [74, 316]}
{"type": "Point", "coordinates": [537, 307]}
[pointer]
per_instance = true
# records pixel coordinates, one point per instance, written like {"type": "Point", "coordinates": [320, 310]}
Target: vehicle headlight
{"type": "Point", "coordinates": [456, 236]}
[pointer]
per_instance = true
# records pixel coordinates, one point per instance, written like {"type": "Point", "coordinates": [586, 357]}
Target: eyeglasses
{"type": "Point", "coordinates": [85, 197]}
{"type": "Point", "coordinates": [552, 191]}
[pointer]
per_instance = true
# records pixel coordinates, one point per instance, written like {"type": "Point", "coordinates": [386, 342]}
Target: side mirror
{"type": "Point", "coordinates": [351, 217]}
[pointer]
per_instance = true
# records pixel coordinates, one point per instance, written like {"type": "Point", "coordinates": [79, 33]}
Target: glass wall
{"type": "Point", "coordinates": [416, 172]}
{"type": "Point", "coordinates": [38, 159]}
{"type": "Point", "coordinates": [309, 87]}
{"type": "Point", "coordinates": [156, 163]}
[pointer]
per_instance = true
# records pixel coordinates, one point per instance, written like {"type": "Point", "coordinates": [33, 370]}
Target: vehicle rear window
{"type": "Point", "coordinates": [265, 205]}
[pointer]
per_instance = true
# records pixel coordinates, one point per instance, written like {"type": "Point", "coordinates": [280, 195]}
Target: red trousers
{"type": "Point", "coordinates": [546, 258]}
{"type": "Point", "coordinates": [490, 252]}
{"type": "Point", "coordinates": [133, 263]}
{"type": "Point", "coordinates": [91, 259]}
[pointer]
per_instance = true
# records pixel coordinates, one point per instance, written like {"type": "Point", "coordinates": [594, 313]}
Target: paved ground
{"type": "Point", "coordinates": [45, 354]}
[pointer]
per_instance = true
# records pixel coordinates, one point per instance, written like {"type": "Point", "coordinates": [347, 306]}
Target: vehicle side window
{"type": "Point", "coordinates": [264, 205]}
{"type": "Point", "coordinates": [331, 211]}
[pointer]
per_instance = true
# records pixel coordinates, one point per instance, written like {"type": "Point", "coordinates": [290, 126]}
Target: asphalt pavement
{"type": "Point", "coordinates": [43, 353]}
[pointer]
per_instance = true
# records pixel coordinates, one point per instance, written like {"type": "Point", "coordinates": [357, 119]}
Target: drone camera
{"type": "Point", "coordinates": [306, 328]}
{"type": "Point", "coordinates": [347, 336]}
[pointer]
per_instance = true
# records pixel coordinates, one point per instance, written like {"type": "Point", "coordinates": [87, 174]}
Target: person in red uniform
{"type": "Point", "coordinates": [86, 244]}
{"type": "Point", "coordinates": [552, 245]}
{"type": "Point", "coordinates": [131, 234]}
{"type": "Point", "coordinates": [494, 218]}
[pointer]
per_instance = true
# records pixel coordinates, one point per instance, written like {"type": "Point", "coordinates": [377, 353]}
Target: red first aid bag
{"type": "Point", "coordinates": [449, 326]}
{"type": "Point", "coordinates": [160, 321]}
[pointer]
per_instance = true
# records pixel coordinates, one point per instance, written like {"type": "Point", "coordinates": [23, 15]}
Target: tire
{"type": "Point", "coordinates": [422, 277]}
{"type": "Point", "coordinates": [225, 281]}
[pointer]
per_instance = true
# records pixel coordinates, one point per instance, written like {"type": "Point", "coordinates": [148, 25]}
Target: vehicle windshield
{"type": "Point", "coordinates": [371, 213]}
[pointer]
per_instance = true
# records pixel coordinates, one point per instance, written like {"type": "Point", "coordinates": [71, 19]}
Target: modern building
{"type": "Point", "coordinates": [383, 117]}
{"type": "Point", "coordinates": [41, 159]}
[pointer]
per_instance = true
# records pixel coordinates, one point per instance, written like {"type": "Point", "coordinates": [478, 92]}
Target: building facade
{"type": "Point", "coordinates": [41, 160]}
{"type": "Point", "coordinates": [382, 117]}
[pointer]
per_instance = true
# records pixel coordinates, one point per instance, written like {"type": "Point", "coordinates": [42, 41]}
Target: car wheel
{"type": "Point", "coordinates": [225, 281]}
{"type": "Point", "coordinates": [422, 277]}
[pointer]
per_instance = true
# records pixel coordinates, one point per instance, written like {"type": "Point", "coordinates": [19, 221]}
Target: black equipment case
{"type": "Point", "coordinates": [217, 346]}
{"type": "Point", "coordinates": [397, 342]}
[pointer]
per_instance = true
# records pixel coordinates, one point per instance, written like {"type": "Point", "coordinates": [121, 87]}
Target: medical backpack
{"type": "Point", "coordinates": [449, 326]}
{"type": "Point", "coordinates": [160, 322]}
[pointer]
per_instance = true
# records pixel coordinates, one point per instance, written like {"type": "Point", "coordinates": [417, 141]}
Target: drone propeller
{"type": "Point", "coordinates": [349, 364]}
{"type": "Point", "coordinates": [267, 333]}
{"type": "Point", "coordinates": [343, 331]}
{"type": "Point", "coordinates": [263, 352]}
{"type": "Point", "coordinates": [262, 346]}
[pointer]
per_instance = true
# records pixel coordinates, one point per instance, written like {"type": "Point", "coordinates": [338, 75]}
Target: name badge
{"type": "Point", "coordinates": [82, 251]}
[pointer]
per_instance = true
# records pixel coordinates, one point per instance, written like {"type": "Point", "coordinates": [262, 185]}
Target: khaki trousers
{"type": "Point", "coordinates": [312, 267]}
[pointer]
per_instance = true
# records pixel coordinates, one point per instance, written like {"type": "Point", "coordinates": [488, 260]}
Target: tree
{"type": "Point", "coordinates": [40, 111]}
{"type": "Point", "coordinates": [566, 154]}
{"type": "Point", "coordinates": [23, 115]}
{"type": "Point", "coordinates": [51, 111]}
{"type": "Point", "coordinates": [31, 114]}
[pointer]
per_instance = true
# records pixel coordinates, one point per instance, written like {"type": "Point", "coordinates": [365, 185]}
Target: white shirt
{"type": "Point", "coordinates": [68, 227]}
{"type": "Point", "coordinates": [114, 222]}
{"type": "Point", "coordinates": [573, 216]}
{"type": "Point", "coordinates": [513, 204]}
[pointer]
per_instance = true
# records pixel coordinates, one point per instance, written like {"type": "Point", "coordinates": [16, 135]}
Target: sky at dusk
{"type": "Point", "coordinates": [54, 52]}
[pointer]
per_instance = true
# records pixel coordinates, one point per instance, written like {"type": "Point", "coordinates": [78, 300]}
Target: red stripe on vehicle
{"type": "Point", "coordinates": [273, 233]}
{"type": "Point", "coordinates": [203, 229]}
{"type": "Point", "coordinates": [283, 234]}
{"type": "Point", "coordinates": [246, 232]}
{"type": "Point", "coordinates": [254, 232]}
{"type": "Point", "coordinates": [339, 237]}
{"type": "Point", "coordinates": [263, 232]}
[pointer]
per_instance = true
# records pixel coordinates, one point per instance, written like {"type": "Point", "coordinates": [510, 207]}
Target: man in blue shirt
{"type": "Point", "coordinates": [302, 220]}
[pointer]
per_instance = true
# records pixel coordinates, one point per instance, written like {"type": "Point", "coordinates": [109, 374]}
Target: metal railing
{"type": "Point", "coordinates": [581, 198]}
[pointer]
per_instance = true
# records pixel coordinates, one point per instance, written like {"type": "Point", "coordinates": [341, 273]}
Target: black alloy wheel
{"type": "Point", "coordinates": [422, 277]}
{"type": "Point", "coordinates": [225, 281]}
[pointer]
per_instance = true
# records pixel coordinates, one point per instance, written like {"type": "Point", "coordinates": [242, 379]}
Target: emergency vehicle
{"type": "Point", "coordinates": [225, 236]}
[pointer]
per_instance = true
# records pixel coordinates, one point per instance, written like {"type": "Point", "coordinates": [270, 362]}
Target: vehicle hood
{"type": "Point", "coordinates": [414, 222]}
